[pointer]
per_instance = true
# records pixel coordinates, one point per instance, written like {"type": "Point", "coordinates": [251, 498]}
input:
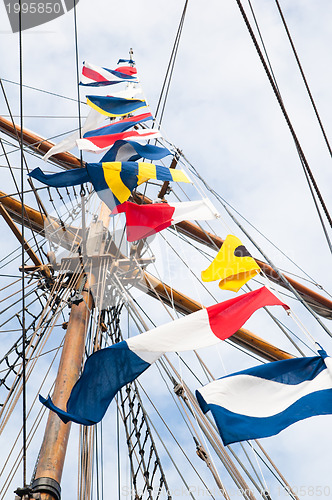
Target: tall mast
{"type": "Point", "coordinates": [53, 450]}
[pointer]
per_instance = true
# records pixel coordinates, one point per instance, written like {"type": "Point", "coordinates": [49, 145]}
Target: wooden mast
{"type": "Point", "coordinates": [53, 450]}
{"type": "Point", "coordinates": [38, 144]}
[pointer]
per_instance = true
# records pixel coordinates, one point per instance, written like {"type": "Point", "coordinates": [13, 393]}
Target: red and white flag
{"type": "Point", "coordinates": [110, 369]}
{"type": "Point", "coordinates": [146, 220]}
{"type": "Point", "coordinates": [100, 143]}
{"type": "Point", "coordinates": [95, 76]}
{"type": "Point", "coordinates": [202, 328]}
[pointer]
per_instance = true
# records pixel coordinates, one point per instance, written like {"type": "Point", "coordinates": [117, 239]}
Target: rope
{"type": "Point", "coordinates": [82, 192]}
{"type": "Point", "coordinates": [210, 425]}
{"type": "Point", "coordinates": [304, 77]}
{"type": "Point", "coordinates": [41, 90]}
{"type": "Point", "coordinates": [170, 68]}
{"type": "Point", "coordinates": [303, 159]}
{"type": "Point", "coordinates": [285, 486]}
{"type": "Point", "coordinates": [54, 319]}
{"type": "Point", "coordinates": [21, 149]}
{"type": "Point", "coordinates": [16, 389]}
{"type": "Point", "coordinates": [42, 409]}
{"type": "Point", "coordinates": [24, 433]}
{"type": "Point", "coordinates": [263, 44]}
{"type": "Point", "coordinates": [213, 438]}
{"type": "Point", "coordinates": [168, 373]}
{"type": "Point", "coordinates": [281, 276]}
{"type": "Point", "coordinates": [132, 310]}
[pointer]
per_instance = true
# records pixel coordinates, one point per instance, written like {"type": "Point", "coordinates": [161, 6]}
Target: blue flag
{"type": "Point", "coordinates": [130, 61]}
{"type": "Point", "coordinates": [119, 126]}
{"type": "Point", "coordinates": [112, 181]}
{"type": "Point", "coordinates": [114, 106]}
{"type": "Point", "coordinates": [264, 400]}
{"type": "Point", "coordinates": [71, 177]}
{"type": "Point", "coordinates": [105, 372]}
{"type": "Point", "coordinates": [132, 151]}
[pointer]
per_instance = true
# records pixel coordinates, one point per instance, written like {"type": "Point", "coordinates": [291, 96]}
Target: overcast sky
{"type": "Point", "coordinates": [222, 114]}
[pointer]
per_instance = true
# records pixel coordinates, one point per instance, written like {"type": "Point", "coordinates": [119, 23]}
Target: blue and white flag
{"type": "Point", "coordinates": [132, 151]}
{"type": "Point", "coordinates": [96, 76]}
{"type": "Point", "coordinates": [130, 61]}
{"type": "Point", "coordinates": [264, 400]}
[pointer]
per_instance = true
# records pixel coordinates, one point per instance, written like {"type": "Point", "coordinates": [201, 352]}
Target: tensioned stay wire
{"type": "Point", "coordinates": [194, 275]}
{"type": "Point", "coordinates": [263, 44]}
{"type": "Point", "coordinates": [318, 211]}
{"type": "Point", "coordinates": [145, 328]}
{"type": "Point", "coordinates": [170, 455]}
{"type": "Point", "coordinates": [23, 161]}
{"type": "Point", "coordinates": [304, 77]}
{"type": "Point", "coordinates": [24, 430]}
{"type": "Point", "coordinates": [41, 90]}
{"type": "Point", "coordinates": [310, 97]}
{"type": "Point", "coordinates": [211, 243]}
{"type": "Point", "coordinates": [49, 367]}
{"type": "Point", "coordinates": [281, 276]}
{"type": "Point", "coordinates": [222, 201]}
{"type": "Point", "coordinates": [43, 409]}
{"type": "Point", "coordinates": [277, 93]}
{"type": "Point", "coordinates": [170, 68]}
{"type": "Point", "coordinates": [82, 192]}
{"type": "Point", "coordinates": [304, 162]}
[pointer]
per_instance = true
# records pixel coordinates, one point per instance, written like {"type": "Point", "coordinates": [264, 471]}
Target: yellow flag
{"type": "Point", "coordinates": [233, 265]}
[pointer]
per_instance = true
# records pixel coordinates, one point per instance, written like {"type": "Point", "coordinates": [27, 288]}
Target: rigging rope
{"type": "Point", "coordinates": [304, 77]}
{"type": "Point", "coordinates": [41, 90]}
{"type": "Point", "coordinates": [82, 192]}
{"type": "Point", "coordinates": [23, 160]}
{"type": "Point", "coordinates": [281, 276]}
{"type": "Point", "coordinates": [24, 433]}
{"type": "Point", "coordinates": [130, 405]}
{"type": "Point", "coordinates": [169, 82]}
{"type": "Point", "coordinates": [303, 159]}
{"type": "Point", "coordinates": [170, 68]}
{"type": "Point", "coordinates": [263, 44]}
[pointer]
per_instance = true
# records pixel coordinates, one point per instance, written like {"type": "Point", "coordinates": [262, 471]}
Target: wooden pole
{"type": "Point", "coordinates": [38, 144]}
{"type": "Point", "coordinates": [53, 450]}
{"type": "Point", "coordinates": [186, 305]}
{"type": "Point", "coordinates": [35, 259]}
{"type": "Point", "coordinates": [321, 304]}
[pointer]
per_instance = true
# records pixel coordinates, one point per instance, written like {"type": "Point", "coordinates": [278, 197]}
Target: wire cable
{"type": "Point", "coordinates": [170, 68]}
{"type": "Point", "coordinates": [304, 77]}
{"type": "Point", "coordinates": [304, 162]}
{"type": "Point", "coordinates": [24, 430]}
